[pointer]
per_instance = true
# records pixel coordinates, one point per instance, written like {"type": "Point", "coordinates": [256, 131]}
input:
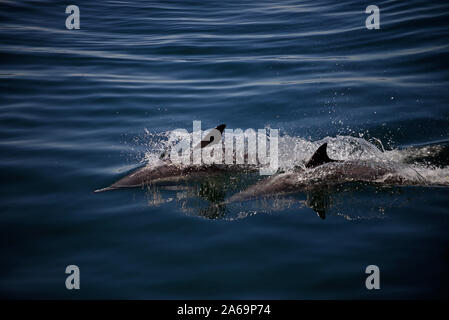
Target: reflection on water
{"type": "Point", "coordinates": [206, 199]}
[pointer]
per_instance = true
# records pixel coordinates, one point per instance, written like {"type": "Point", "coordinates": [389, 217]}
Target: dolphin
{"type": "Point", "coordinates": [319, 171]}
{"type": "Point", "coordinates": [166, 171]}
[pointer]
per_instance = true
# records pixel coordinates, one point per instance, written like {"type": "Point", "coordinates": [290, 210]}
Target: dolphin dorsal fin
{"type": "Point", "coordinates": [210, 138]}
{"type": "Point", "coordinates": [319, 157]}
{"type": "Point", "coordinates": [204, 143]}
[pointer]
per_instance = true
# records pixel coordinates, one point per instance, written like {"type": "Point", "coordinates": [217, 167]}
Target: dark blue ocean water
{"type": "Point", "coordinates": [80, 108]}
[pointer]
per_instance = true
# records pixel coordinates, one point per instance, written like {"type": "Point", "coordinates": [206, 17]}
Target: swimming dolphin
{"type": "Point", "coordinates": [319, 171]}
{"type": "Point", "coordinates": [166, 171]}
